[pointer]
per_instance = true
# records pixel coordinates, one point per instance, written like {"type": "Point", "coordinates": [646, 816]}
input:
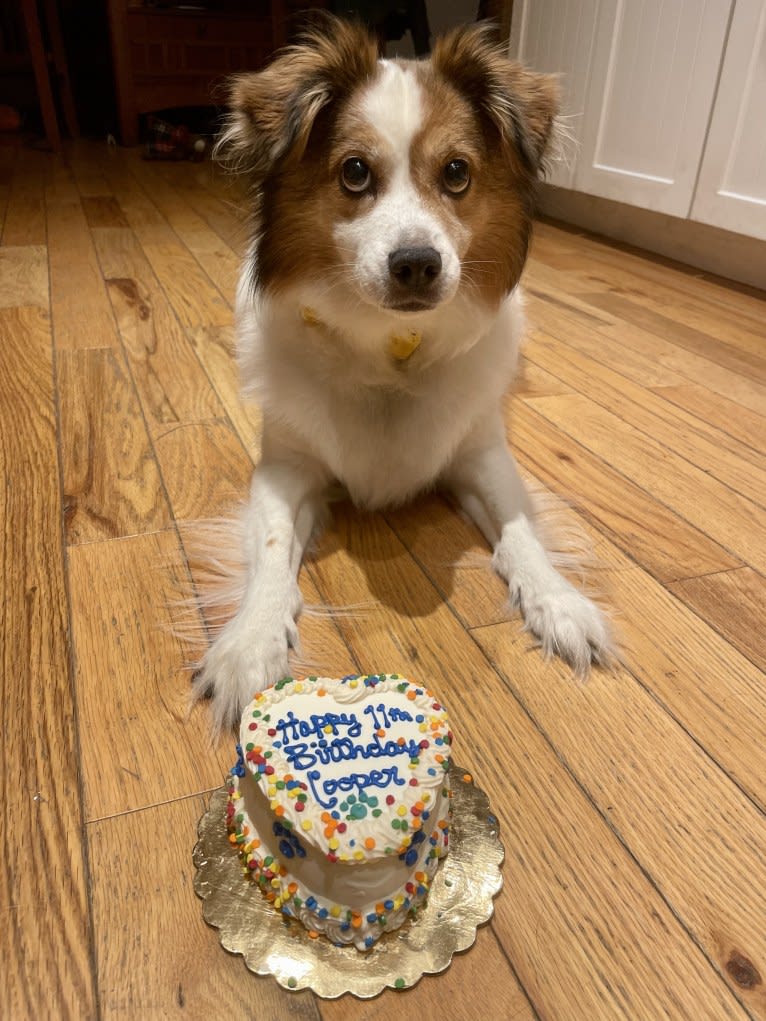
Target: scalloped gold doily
{"type": "Point", "coordinates": [460, 899]}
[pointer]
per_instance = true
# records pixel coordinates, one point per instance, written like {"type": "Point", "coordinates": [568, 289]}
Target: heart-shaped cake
{"type": "Point", "coordinates": [339, 802]}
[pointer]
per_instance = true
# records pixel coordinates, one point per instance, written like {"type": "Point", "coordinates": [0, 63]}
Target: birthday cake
{"type": "Point", "coordinates": [339, 801]}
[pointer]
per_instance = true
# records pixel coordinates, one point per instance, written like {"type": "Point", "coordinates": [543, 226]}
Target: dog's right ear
{"type": "Point", "coordinates": [273, 111]}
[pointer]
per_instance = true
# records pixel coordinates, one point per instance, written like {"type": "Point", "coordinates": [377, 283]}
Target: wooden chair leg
{"type": "Point", "coordinates": [40, 65]}
{"type": "Point", "coordinates": [62, 68]}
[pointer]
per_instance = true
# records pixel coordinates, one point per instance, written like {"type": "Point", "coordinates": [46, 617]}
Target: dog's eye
{"type": "Point", "coordinates": [355, 175]}
{"type": "Point", "coordinates": [457, 176]}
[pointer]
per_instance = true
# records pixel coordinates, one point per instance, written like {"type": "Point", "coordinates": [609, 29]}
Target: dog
{"type": "Point", "coordinates": [379, 317]}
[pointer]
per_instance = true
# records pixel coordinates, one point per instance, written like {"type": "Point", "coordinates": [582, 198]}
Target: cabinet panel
{"type": "Point", "coordinates": [557, 36]}
{"type": "Point", "coordinates": [731, 191]}
{"type": "Point", "coordinates": [652, 81]}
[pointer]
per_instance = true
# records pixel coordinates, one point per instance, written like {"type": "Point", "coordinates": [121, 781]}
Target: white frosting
{"type": "Point", "coordinates": [341, 806]}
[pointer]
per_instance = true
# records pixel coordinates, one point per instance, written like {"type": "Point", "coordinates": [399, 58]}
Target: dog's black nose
{"type": "Point", "coordinates": [415, 268]}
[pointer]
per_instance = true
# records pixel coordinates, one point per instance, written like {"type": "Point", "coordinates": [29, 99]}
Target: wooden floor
{"type": "Point", "coordinates": [631, 807]}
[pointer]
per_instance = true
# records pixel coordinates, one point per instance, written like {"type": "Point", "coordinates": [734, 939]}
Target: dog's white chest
{"type": "Point", "coordinates": [385, 438]}
{"type": "Point", "coordinates": [385, 447]}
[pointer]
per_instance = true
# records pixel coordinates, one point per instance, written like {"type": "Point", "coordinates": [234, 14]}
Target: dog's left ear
{"type": "Point", "coordinates": [522, 104]}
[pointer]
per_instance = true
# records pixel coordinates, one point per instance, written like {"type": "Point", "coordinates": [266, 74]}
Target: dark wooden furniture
{"type": "Point", "coordinates": [47, 58]}
{"type": "Point", "coordinates": [173, 56]}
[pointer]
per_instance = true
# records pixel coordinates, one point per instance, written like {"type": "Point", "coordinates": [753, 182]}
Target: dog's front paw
{"type": "Point", "coordinates": [243, 660]}
{"type": "Point", "coordinates": [568, 625]}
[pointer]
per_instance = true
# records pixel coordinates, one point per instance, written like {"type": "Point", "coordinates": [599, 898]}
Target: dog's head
{"type": "Point", "coordinates": [395, 183]}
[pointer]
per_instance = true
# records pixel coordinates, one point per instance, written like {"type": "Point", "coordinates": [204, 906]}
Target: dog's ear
{"type": "Point", "coordinates": [273, 111]}
{"type": "Point", "coordinates": [522, 104]}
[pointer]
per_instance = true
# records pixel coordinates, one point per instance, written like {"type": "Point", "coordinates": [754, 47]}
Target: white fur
{"type": "Point", "coordinates": [337, 406]}
{"type": "Point", "coordinates": [393, 106]}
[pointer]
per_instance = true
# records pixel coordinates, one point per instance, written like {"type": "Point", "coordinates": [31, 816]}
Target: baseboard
{"type": "Point", "coordinates": [722, 252]}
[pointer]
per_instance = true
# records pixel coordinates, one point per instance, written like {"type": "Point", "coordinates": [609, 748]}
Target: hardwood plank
{"type": "Point", "coordinates": [205, 468]}
{"type": "Point", "coordinates": [172, 385]}
{"type": "Point", "coordinates": [112, 484]}
{"type": "Point", "coordinates": [498, 996]}
{"type": "Point", "coordinates": [736, 465]}
{"type": "Point", "coordinates": [574, 325]}
{"type": "Point", "coordinates": [24, 277]}
{"type": "Point", "coordinates": [194, 298]}
{"type": "Point", "coordinates": [736, 523]}
{"type": "Point", "coordinates": [136, 640]}
{"type": "Point", "coordinates": [739, 387]}
{"type": "Point", "coordinates": [46, 936]}
{"type": "Point", "coordinates": [156, 956]}
{"type": "Point", "coordinates": [456, 559]}
{"type": "Point", "coordinates": [144, 215]}
{"type": "Point", "coordinates": [25, 215]}
{"type": "Point", "coordinates": [581, 275]}
{"type": "Point", "coordinates": [220, 200]}
{"type": "Point", "coordinates": [532, 381]}
{"type": "Point", "coordinates": [586, 933]}
{"type": "Point", "coordinates": [82, 315]}
{"type": "Point", "coordinates": [653, 535]}
{"type": "Point", "coordinates": [546, 284]}
{"type": "Point", "coordinates": [139, 745]}
{"type": "Point", "coordinates": [682, 819]}
{"type": "Point", "coordinates": [321, 640]}
{"type": "Point", "coordinates": [214, 346]}
{"type": "Point", "coordinates": [747, 362]}
{"type": "Point", "coordinates": [190, 292]}
{"type": "Point", "coordinates": [229, 188]}
{"type": "Point", "coordinates": [215, 257]}
{"type": "Point", "coordinates": [446, 545]}
{"type": "Point", "coordinates": [733, 603]}
{"type": "Point", "coordinates": [202, 312]}
{"type": "Point", "coordinates": [103, 211]}
{"type": "Point", "coordinates": [725, 415]}
{"type": "Point", "coordinates": [724, 294]}
{"type": "Point", "coordinates": [640, 355]}
{"type": "Point", "coordinates": [87, 173]}
{"type": "Point", "coordinates": [717, 694]}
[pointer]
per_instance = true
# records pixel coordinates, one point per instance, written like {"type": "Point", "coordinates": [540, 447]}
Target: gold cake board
{"type": "Point", "coordinates": [460, 900]}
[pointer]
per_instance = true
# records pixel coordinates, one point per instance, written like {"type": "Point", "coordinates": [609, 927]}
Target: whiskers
{"type": "Point", "coordinates": [475, 272]}
{"type": "Point", "coordinates": [564, 144]}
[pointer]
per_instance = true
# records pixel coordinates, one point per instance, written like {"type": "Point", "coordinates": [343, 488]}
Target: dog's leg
{"type": "Point", "coordinates": [487, 484]}
{"type": "Point", "coordinates": [250, 652]}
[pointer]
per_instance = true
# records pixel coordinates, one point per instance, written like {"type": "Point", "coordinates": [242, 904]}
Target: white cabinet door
{"type": "Point", "coordinates": [731, 191]}
{"type": "Point", "coordinates": [557, 36]}
{"type": "Point", "coordinates": [652, 83]}
{"type": "Point", "coordinates": [639, 78]}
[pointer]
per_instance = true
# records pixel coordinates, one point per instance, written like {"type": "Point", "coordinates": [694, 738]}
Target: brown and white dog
{"type": "Point", "coordinates": [379, 317]}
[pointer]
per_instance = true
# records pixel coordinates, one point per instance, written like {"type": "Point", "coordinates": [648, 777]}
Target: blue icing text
{"type": "Point", "coordinates": [336, 740]}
